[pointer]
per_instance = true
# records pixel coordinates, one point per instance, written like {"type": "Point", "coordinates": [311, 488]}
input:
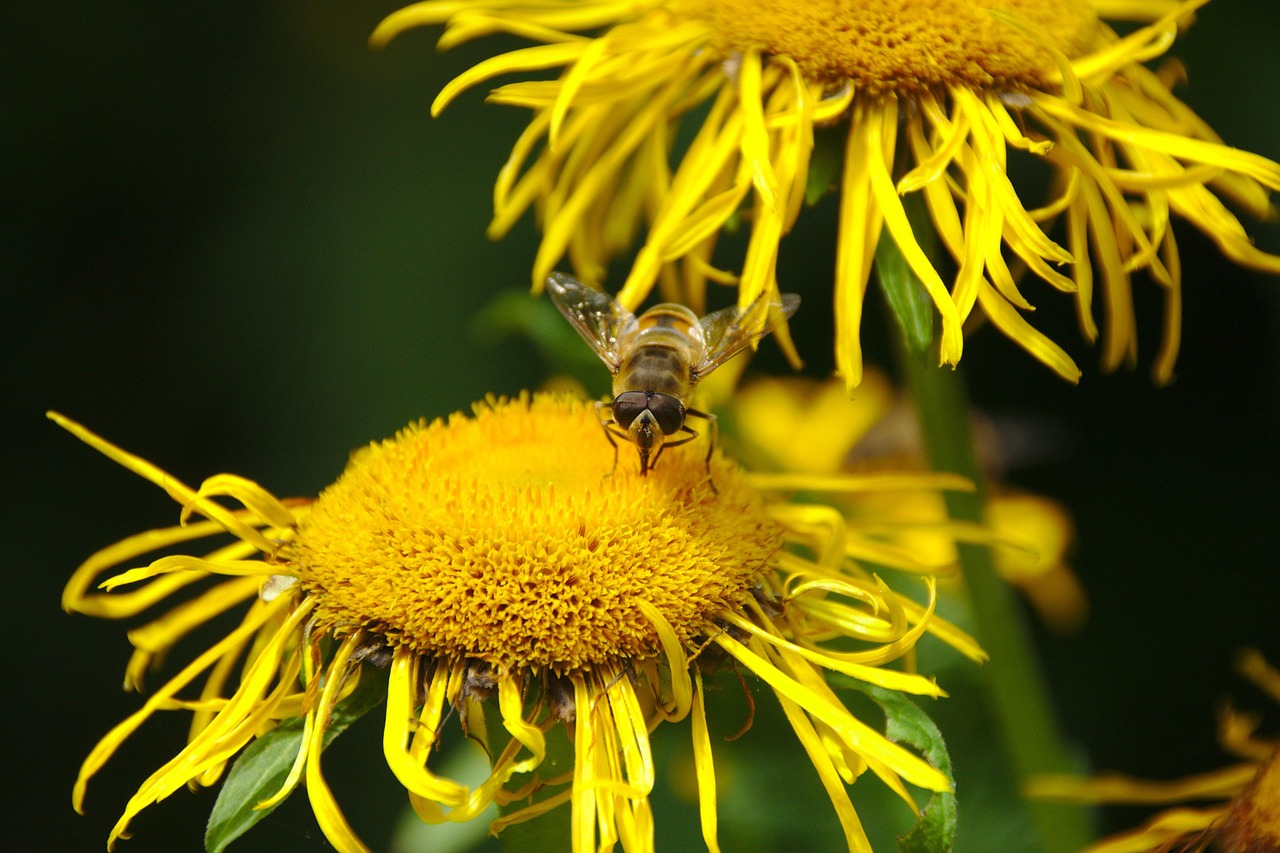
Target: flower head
{"type": "Point", "coordinates": [1245, 817]}
{"type": "Point", "coordinates": [488, 561]}
{"type": "Point", "coordinates": [939, 98]}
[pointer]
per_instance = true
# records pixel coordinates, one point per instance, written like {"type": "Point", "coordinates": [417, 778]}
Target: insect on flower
{"type": "Point", "coordinates": [658, 358]}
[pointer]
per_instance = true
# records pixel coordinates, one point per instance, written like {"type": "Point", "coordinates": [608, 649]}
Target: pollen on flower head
{"type": "Point", "coordinates": [503, 538]}
{"type": "Point", "coordinates": [496, 554]}
{"type": "Point", "coordinates": [907, 46]}
{"type": "Point", "coordinates": [939, 97]}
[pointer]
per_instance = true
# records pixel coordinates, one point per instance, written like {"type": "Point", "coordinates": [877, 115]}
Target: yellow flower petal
{"type": "Point", "coordinates": [613, 586]}
{"type": "Point", "coordinates": [1047, 82]}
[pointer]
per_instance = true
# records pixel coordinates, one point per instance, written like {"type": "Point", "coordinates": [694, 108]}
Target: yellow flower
{"type": "Point", "coordinates": [939, 98]}
{"type": "Point", "coordinates": [1247, 820]}
{"type": "Point", "coordinates": [490, 558]}
{"type": "Point", "coordinates": [801, 425]}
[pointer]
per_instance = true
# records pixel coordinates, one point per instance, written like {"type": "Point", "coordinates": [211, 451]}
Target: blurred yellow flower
{"type": "Point", "coordinates": [813, 427]}
{"type": "Point", "coordinates": [490, 558]}
{"type": "Point", "coordinates": [1247, 820]}
{"type": "Point", "coordinates": [939, 99]}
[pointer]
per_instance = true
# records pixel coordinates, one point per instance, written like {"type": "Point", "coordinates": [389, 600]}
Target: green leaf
{"type": "Point", "coordinates": [935, 832]}
{"type": "Point", "coordinates": [261, 769]}
{"type": "Point", "coordinates": [825, 163]}
{"type": "Point", "coordinates": [908, 300]}
{"type": "Point", "coordinates": [551, 832]}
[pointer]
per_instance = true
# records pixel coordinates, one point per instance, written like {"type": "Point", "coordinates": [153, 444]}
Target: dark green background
{"type": "Point", "coordinates": [234, 240]}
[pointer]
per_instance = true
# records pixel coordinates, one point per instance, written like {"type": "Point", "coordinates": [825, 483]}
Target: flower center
{"type": "Point", "coordinates": [906, 46]}
{"type": "Point", "coordinates": [501, 538]}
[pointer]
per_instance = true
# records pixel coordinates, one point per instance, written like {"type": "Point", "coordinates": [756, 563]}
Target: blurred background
{"type": "Point", "coordinates": [234, 240]}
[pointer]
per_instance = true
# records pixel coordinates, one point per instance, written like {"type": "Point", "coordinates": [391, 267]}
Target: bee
{"type": "Point", "coordinates": [658, 358]}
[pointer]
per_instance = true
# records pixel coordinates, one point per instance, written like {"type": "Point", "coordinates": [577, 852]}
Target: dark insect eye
{"type": "Point", "coordinates": [627, 407]}
{"type": "Point", "coordinates": [669, 413]}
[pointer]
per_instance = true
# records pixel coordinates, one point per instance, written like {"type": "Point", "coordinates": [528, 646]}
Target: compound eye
{"type": "Point", "coordinates": [627, 407]}
{"type": "Point", "coordinates": [668, 412]}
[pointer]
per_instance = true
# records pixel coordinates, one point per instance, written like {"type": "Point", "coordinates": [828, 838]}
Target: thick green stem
{"type": "Point", "coordinates": [1031, 740]}
{"type": "Point", "coordinates": [1017, 692]}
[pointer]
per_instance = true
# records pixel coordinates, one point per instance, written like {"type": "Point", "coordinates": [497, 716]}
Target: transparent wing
{"type": "Point", "coordinates": [731, 330]}
{"type": "Point", "coordinates": [599, 318]}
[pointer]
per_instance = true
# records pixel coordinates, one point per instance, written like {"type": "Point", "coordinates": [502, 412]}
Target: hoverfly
{"type": "Point", "coordinates": [658, 358]}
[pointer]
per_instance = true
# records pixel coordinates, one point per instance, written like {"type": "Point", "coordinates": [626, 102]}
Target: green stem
{"type": "Point", "coordinates": [1032, 742]}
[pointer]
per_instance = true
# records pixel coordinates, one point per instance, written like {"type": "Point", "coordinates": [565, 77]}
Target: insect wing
{"type": "Point", "coordinates": [731, 330]}
{"type": "Point", "coordinates": [597, 316]}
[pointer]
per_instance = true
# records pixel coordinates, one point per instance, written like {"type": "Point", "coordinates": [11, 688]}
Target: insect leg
{"type": "Point", "coordinates": [679, 441]}
{"type": "Point", "coordinates": [711, 444]}
{"type": "Point", "coordinates": [674, 443]}
{"type": "Point", "coordinates": [605, 423]}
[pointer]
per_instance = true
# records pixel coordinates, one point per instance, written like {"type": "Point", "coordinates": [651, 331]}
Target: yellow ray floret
{"type": "Point", "coordinates": [490, 559]}
{"type": "Point", "coordinates": [1247, 820]}
{"type": "Point", "coordinates": [939, 100]}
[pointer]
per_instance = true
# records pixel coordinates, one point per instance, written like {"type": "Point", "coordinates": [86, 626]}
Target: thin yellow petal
{"type": "Point", "coordinates": [256, 499]}
{"type": "Point", "coordinates": [895, 219]}
{"type": "Point", "coordinates": [185, 563]}
{"type": "Point", "coordinates": [989, 147]}
{"type": "Point", "coordinates": [854, 834]}
{"type": "Point", "coordinates": [183, 494]}
{"type": "Point", "coordinates": [309, 699]}
{"type": "Point", "coordinates": [860, 223]}
{"type": "Point", "coordinates": [526, 59]}
{"type": "Point", "coordinates": [1138, 46]}
{"type": "Point", "coordinates": [933, 165]}
{"type": "Point", "coordinates": [1012, 133]}
{"type": "Point", "coordinates": [76, 597]}
{"type": "Point", "coordinates": [1120, 340]}
{"type": "Point", "coordinates": [538, 809]}
{"type": "Point", "coordinates": [717, 140]}
{"type": "Point", "coordinates": [1162, 368]}
{"type": "Point", "coordinates": [842, 483]}
{"type": "Point", "coordinates": [235, 725]}
{"type": "Point", "coordinates": [559, 231]}
{"type": "Point", "coordinates": [399, 726]}
{"type": "Point", "coordinates": [857, 734]}
{"type": "Point", "coordinates": [473, 24]}
{"type": "Point", "coordinates": [755, 141]}
{"type": "Point", "coordinates": [947, 632]}
{"type": "Point", "coordinates": [1260, 169]}
{"type": "Point", "coordinates": [103, 750]}
{"type": "Point", "coordinates": [889, 679]}
{"type": "Point", "coordinates": [706, 220]}
{"type": "Point", "coordinates": [631, 726]}
{"type": "Point", "coordinates": [1009, 321]}
{"type": "Point", "coordinates": [1252, 665]}
{"type": "Point", "coordinates": [415, 15]}
{"type": "Point", "coordinates": [1117, 788]}
{"type": "Point", "coordinates": [524, 732]}
{"type": "Point", "coordinates": [677, 662]}
{"type": "Point", "coordinates": [1078, 240]}
{"type": "Point", "coordinates": [162, 633]}
{"type": "Point", "coordinates": [583, 820]}
{"type": "Point", "coordinates": [572, 82]}
{"type": "Point", "coordinates": [704, 766]}
{"type": "Point", "coordinates": [332, 822]}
